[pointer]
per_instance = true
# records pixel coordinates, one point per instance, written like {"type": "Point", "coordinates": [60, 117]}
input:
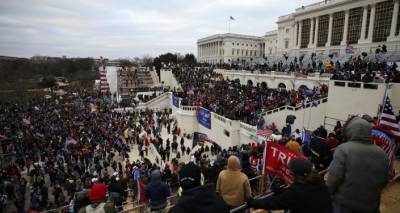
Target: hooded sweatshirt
{"type": "Point", "coordinates": [157, 191]}
{"type": "Point", "coordinates": [233, 185]}
{"type": "Point", "coordinates": [200, 199]}
{"type": "Point", "coordinates": [359, 169]}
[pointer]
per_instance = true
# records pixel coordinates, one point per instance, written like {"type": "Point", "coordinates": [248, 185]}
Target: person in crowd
{"type": "Point", "coordinates": [98, 202]}
{"type": "Point", "coordinates": [116, 191]}
{"type": "Point", "coordinates": [232, 184]}
{"type": "Point", "coordinates": [307, 194]}
{"type": "Point", "coordinates": [359, 170]}
{"type": "Point", "coordinates": [195, 197]}
{"type": "Point", "coordinates": [157, 191]}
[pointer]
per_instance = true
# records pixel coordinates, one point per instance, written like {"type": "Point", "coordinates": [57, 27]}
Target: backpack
{"type": "Point", "coordinates": [97, 209]}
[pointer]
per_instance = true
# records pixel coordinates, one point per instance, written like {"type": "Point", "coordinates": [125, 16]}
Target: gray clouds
{"type": "Point", "coordinates": [128, 28]}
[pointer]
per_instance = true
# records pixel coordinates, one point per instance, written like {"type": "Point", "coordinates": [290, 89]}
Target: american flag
{"type": "Point", "coordinates": [264, 132]}
{"type": "Point", "coordinates": [388, 119]}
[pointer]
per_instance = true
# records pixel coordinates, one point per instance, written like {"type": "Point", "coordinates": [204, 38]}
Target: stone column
{"type": "Point", "coordinates": [346, 27]}
{"type": "Point", "coordinates": [300, 29]}
{"type": "Point", "coordinates": [363, 24]}
{"type": "Point", "coordinates": [310, 42]}
{"type": "Point", "coordinates": [395, 15]}
{"type": "Point", "coordinates": [296, 36]}
{"type": "Point", "coordinates": [328, 43]}
{"type": "Point", "coordinates": [316, 31]}
{"type": "Point", "coordinates": [371, 24]}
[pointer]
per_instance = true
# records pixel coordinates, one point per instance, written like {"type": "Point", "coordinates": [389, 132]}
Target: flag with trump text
{"type": "Point", "coordinates": [276, 161]}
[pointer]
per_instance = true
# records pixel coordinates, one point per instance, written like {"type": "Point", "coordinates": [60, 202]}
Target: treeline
{"type": "Point", "coordinates": [31, 73]}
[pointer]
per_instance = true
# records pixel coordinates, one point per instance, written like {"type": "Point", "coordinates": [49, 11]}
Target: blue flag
{"type": "Point", "coordinates": [306, 138]}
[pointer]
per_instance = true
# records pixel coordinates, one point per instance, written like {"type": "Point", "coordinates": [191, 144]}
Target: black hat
{"type": "Point", "coordinates": [300, 167]}
{"type": "Point", "coordinates": [189, 176]}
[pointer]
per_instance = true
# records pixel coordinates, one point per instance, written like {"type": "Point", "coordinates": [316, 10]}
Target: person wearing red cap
{"type": "Point", "coordinates": [97, 197]}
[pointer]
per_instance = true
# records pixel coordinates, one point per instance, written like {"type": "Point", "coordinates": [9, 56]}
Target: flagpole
{"type": "Point", "coordinates": [383, 104]}
{"type": "Point", "coordinates": [229, 25]}
{"type": "Point", "coordinates": [309, 118]}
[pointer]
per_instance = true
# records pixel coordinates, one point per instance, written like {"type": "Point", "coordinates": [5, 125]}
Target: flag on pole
{"type": "Point", "coordinates": [387, 119]}
{"type": "Point", "coordinates": [264, 132]}
{"type": "Point", "coordinates": [231, 18]}
{"type": "Point", "coordinates": [382, 140]}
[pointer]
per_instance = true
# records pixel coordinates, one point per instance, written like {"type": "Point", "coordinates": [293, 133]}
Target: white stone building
{"type": "Point", "coordinates": [230, 48]}
{"type": "Point", "coordinates": [329, 26]}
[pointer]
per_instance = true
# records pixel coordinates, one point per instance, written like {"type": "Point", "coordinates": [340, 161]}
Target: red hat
{"type": "Point", "coordinates": [98, 192]}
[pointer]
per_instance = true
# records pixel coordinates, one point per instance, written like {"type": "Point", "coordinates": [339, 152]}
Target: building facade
{"type": "Point", "coordinates": [330, 26]}
{"type": "Point", "coordinates": [230, 48]}
{"type": "Point", "coordinates": [335, 26]}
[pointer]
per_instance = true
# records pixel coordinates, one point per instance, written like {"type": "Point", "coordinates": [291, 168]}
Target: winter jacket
{"type": "Point", "coordinates": [200, 199]}
{"type": "Point", "coordinates": [157, 191]}
{"type": "Point", "coordinates": [298, 198]}
{"type": "Point", "coordinates": [359, 170]}
{"type": "Point", "coordinates": [233, 185]}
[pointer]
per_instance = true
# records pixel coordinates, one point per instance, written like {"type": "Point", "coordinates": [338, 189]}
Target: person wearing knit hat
{"type": "Point", "coordinates": [195, 197]}
{"type": "Point", "coordinates": [307, 194]}
{"type": "Point", "coordinates": [97, 197]}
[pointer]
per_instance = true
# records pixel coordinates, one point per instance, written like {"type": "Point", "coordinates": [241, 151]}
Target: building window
{"type": "Point", "coordinates": [337, 28]}
{"type": "Point", "coordinates": [238, 44]}
{"type": "Point", "coordinates": [354, 28]}
{"type": "Point", "coordinates": [242, 52]}
{"type": "Point", "coordinates": [368, 19]}
{"type": "Point", "coordinates": [247, 52]}
{"type": "Point", "coordinates": [256, 45]}
{"type": "Point", "coordinates": [305, 33]}
{"type": "Point", "coordinates": [233, 44]}
{"type": "Point", "coordinates": [237, 52]}
{"type": "Point", "coordinates": [233, 51]}
{"type": "Point", "coordinates": [287, 30]}
{"type": "Point", "coordinates": [286, 44]}
{"type": "Point", "coordinates": [242, 44]}
{"type": "Point", "coordinates": [398, 23]}
{"type": "Point", "coordinates": [251, 45]}
{"type": "Point", "coordinates": [323, 27]}
{"type": "Point", "coordinates": [383, 21]}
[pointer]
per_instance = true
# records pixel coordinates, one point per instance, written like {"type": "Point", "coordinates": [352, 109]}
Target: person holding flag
{"type": "Point", "coordinates": [308, 192]}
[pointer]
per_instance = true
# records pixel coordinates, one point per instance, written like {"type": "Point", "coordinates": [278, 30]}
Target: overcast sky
{"type": "Point", "coordinates": [128, 28]}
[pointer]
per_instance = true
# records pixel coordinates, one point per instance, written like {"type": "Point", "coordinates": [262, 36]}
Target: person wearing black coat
{"type": "Point", "coordinates": [196, 198]}
{"type": "Point", "coordinates": [307, 194]}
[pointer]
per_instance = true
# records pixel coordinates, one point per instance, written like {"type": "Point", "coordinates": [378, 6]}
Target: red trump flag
{"type": "Point", "coordinates": [276, 161]}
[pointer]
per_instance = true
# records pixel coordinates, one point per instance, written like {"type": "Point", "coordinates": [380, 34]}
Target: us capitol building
{"type": "Point", "coordinates": [331, 26]}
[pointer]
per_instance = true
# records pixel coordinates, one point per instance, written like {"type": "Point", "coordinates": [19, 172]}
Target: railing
{"type": "Point", "coordinates": [297, 107]}
{"type": "Point", "coordinates": [248, 127]}
{"type": "Point", "coordinates": [220, 118]}
{"type": "Point", "coordinates": [268, 194]}
{"type": "Point", "coordinates": [188, 108]}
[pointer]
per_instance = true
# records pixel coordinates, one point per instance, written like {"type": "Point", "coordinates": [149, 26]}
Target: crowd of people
{"type": "Point", "coordinates": [229, 98]}
{"type": "Point", "coordinates": [355, 68]}
{"type": "Point", "coordinates": [74, 150]}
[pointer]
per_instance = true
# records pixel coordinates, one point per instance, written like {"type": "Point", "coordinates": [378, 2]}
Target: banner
{"type": "Point", "coordinates": [204, 117]}
{"type": "Point", "coordinates": [276, 160]}
{"type": "Point", "coordinates": [175, 101]}
{"type": "Point", "coordinates": [199, 138]}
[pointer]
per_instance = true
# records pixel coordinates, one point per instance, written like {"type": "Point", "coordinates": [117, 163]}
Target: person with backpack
{"type": "Point", "coordinates": [98, 204]}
